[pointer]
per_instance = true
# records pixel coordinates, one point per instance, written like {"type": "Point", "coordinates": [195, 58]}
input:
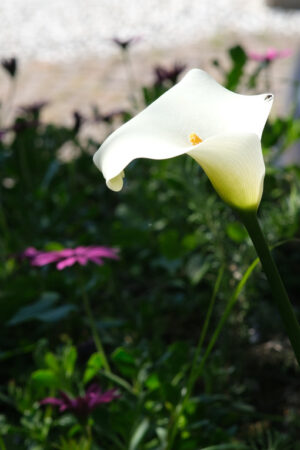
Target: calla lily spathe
{"type": "Point", "coordinates": [227, 127]}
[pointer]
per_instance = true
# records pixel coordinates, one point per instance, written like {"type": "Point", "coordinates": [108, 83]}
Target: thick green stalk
{"type": "Point", "coordinates": [278, 290]}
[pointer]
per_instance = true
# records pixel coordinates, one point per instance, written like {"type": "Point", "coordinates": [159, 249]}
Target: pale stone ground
{"type": "Point", "coordinates": [66, 55]}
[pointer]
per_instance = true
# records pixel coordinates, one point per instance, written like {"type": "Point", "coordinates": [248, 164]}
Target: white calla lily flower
{"type": "Point", "coordinates": [220, 129]}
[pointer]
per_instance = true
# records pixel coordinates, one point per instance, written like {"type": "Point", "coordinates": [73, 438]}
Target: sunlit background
{"type": "Point", "coordinates": [67, 56]}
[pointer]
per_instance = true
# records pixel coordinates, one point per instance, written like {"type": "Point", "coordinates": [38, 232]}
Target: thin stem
{"type": "Point", "coordinates": [95, 334]}
{"type": "Point", "coordinates": [5, 228]}
{"type": "Point", "coordinates": [2, 445]}
{"type": "Point", "coordinates": [194, 372]}
{"type": "Point", "coordinates": [278, 290]}
{"type": "Point", "coordinates": [193, 375]}
{"type": "Point", "coordinates": [232, 301]}
{"type": "Point", "coordinates": [120, 381]}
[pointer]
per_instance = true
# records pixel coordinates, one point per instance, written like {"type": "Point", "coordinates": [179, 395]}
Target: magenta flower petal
{"type": "Point", "coordinates": [82, 406]}
{"type": "Point", "coordinates": [67, 402]}
{"type": "Point", "coordinates": [82, 260]}
{"type": "Point", "coordinates": [109, 396]}
{"type": "Point", "coordinates": [66, 263]}
{"type": "Point", "coordinates": [96, 260]}
{"type": "Point", "coordinates": [103, 252]}
{"type": "Point", "coordinates": [69, 256]}
{"type": "Point", "coordinates": [93, 389]}
{"type": "Point", "coordinates": [270, 55]}
{"type": "Point", "coordinates": [30, 252]}
{"type": "Point", "coordinates": [43, 259]}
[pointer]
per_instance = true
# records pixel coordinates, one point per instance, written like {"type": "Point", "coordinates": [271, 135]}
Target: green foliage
{"type": "Point", "coordinates": [238, 61]}
{"type": "Point", "coordinates": [174, 234]}
{"type": "Point", "coordinates": [42, 310]}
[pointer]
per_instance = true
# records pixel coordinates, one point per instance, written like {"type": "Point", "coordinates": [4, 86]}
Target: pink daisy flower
{"type": "Point", "coordinates": [69, 256]}
{"type": "Point", "coordinates": [84, 405]}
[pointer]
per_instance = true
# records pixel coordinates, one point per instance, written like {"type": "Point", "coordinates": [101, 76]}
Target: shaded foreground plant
{"type": "Point", "coordinates": [221, 131]}
{"type": "Point", "coordinates": [172, 232]}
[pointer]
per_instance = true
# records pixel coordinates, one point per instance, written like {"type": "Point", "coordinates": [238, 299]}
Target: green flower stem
{"type": "Point", "coordinates": [232, 301]}
{"type": "Point", "coordinates": [278, 290]}
{"type": "Point", "coordinates": [120, 381]}
{"type": "Point", "coordinates": [95, 334]}
{"type": "Point", "coordinates": [193, 374]}
{"type": "Point", "coordinates": [194, 370]}
{"type": "Point", "coordinates": [2, 445]}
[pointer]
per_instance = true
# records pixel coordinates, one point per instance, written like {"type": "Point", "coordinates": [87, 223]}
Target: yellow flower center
{"type": "Point", "coordinates": [194, 139]}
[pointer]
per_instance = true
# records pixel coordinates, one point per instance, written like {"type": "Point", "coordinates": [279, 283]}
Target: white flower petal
{"type": "Point", "coordinates": [235, 166]}
{"type": "Point", "coordinates": [197, 104]}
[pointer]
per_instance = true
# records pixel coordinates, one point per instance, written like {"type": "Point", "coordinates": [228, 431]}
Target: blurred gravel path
{"type": "Point", "coordinates": [67, 57]}
{"type": "Point", "coordinates": [64, 29]}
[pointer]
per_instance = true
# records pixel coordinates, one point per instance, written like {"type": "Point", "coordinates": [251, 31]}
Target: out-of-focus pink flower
{"type": "Point", "coordinates": [82, 406]}
{"type": "Point", "coordinates": [270, 55]}
{"type": "Point", "coordinates": [30, 252]}
{"type": "Point", "coordinates": [69, 256]}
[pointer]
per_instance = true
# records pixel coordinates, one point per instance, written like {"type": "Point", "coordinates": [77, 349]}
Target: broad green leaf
{"type": "Point", "coordinates": [35, 309]}
{"type": "Point", "coordinates": [94, 364]}
{"type": "Point", "coordinates": [125, 361]}
{"type": "Point", "coordinates": [44, 378]}
{"type": "Point", "coordinates": [122, 355]}
{"type": "Point", "coordinates": [51, 361]}
{"type": "Point", "coordinates": [56, 314]}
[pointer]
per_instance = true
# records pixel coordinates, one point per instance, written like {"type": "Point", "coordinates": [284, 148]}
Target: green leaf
{"type": "Point", "coordinates": [153, 382]}
{"type": "Point", "coordinates": [52, 361]}
{"type": "Point", "coordinates": [239, 59]}
{"type": "Point", "coordinates": [44, 378]}
{"type": "Point", "coordinates": [125, 361]}
{"type": "Point", "coordinates": [94, 364]}
{"type": "Point", "coordinates": [169, 244]}
{"type": "Point", "coordinates": [41, 310]}
{"type": "Point", "coordinates": [56, 314]}
{"type": "Point", "coordinates": [138, 434]}
{"type": "Point", "coordinates": [53, 246]}
{"type": "Point", "coordinates": [196, 268]}
{"type": "Point", "coordinates": [236, 231]}
{"type": "Point", "coordinates": [33, 310]}
{"type": "Point", "coordinates": [53, 169]}
{"type": "Point", "coordinates": [69, 360]}
{"type": "Point", "coordinates": [123, 356]}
